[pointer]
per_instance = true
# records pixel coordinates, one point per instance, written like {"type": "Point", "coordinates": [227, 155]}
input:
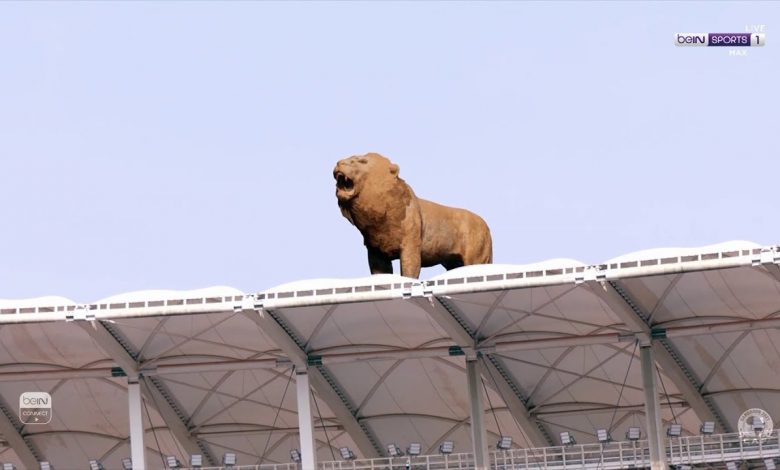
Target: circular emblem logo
{"type": "Point", "coordinates": [755, 424]}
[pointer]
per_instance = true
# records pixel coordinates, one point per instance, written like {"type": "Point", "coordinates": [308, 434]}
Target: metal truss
{"type": "Point", "coordinates": [447, 316]}
{"type": "Point", "coordinates": [585, 376]}
{"type": "Point", "coordinates": [323, 383]}
{"type": "Point", "coordinates": [236, 399]}
{"type": "Point", "coordinates": [492, 369]}
{"type": "Point", "coordinates": [618, 298]}
{"type": "Point", "coordinates": [11, 429]}
{"type": "Point", "coordinates": [153, 390]}
{"type": "Point", "coordinates": [722, 359]}
{"type": "Point", "coordinates": [39, 371]}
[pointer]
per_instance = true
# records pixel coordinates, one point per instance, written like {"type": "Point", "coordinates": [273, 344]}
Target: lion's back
{"type": "Point", "coordinates": [449, 230]}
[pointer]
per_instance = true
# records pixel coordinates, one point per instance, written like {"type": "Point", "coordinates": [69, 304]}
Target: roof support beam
{"type": "Point", "coordinates": [153, 392]}
{"type": "Point", "coordinates": [618, 298]}
{"type": "Point", "coordinates": [322, 384]}
{"type": "Point", "coordinates": [344, 415]}
{"type": "Point", "coordinates": [156, 395]}
{"type": "Point", "coordinates": [774, 270]}
{"type": "Point", "coordinates": [10, 427]}
{"type": "Point", "coordinates": [517, 407]}
{"type": "Point", "coordinates": [444, 314]}
{"type": "Point", "coordinates": [620, 306]}
{"type": "Point", "coordinates": [447, 316]}
{"type": "Point", "coordinates": [172, 369]}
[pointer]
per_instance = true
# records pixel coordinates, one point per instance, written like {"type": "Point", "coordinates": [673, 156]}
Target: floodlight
{"type": "Point", "coordinates": [770, 464]}
{"type": "Point", "coordinates": [683, 467]}
{"type": "Point", "coordinates": [675, 430]}
{"type": "Point", "coordinates": [229, 459]}
{"type": "Point", "coordinates": [95, 465]}
{"type": "Point", "coordinates": [707, 427]}
{"type": "Point", "coordinates": [603, 435]}
{"type": "Point", "coordinates": [9, 466]}
{"type": "Point", "coordinates": [732, 465]}
{"type": "Point", "coordinates": [447, 447]}
{"type": "Point", "coordinates": [127, 464]}
{"type": "Point", "coordinates": [633, 434]}
{"type": "Point", "coordinates": [295, 455]}
{"type": "Point", "coordinates": [346, 453]}
{"type": "Point", "coordinates": [196, 460]}
{"type": "Point", "coordinates": [394, 451]}
{"type": "Point", "coordinates": [172, 462]}
{"type": "Point", "coordinates": [505, 443]}
{"type": "Point", "coordinates": [567, 439]}
{"type": "Point", "coordinates": [45, 465]}
{"type": "Point", "coordinates": [415, 448]}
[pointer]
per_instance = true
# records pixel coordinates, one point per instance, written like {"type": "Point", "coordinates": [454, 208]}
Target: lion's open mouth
{"type": "Point", "coordinates": [344, 182]}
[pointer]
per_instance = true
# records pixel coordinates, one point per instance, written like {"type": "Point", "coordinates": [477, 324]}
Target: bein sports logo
{"type": "Point", "coordinates": [35, 408]}
{"type": "Point", "coordinates": [720, 39]}
{"type": "Point", "coordinates": [690, 39]}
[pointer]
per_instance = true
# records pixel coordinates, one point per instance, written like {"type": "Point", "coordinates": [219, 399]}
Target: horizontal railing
{"type": "Point", "coordinates": [688, 450]}
{"type": "Point", "coordinates": [391, 287]}
{"type": "Point", "coordinates": [720, 448]}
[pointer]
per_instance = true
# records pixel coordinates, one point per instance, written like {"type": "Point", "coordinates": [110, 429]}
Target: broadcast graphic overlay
{"type": "Point", "coordinates": [35, 408]}
{"type": "Point", "coordinates": [720, 39]}
{"type": "Point", "coordinates": [738, 44]}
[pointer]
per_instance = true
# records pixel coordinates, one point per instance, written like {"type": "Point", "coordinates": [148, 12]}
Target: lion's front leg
{"type": "Point", "coordinates": [378, 262]}
{"type": "Point", "coordinates": [411, 260]}
{"type": "Point", "coordinates": [411, 243]}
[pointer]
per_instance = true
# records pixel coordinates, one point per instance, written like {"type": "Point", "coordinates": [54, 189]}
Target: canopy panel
{"type": "Point", "coordinates": [557, 345]}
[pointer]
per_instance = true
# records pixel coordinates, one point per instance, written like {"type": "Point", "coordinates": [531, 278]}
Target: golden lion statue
{"type": "Point", "coordinates": [397, 224]}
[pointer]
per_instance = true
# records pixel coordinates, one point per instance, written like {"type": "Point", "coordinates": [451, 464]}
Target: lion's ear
{"type": "Point", "coordinates": [394, 169]}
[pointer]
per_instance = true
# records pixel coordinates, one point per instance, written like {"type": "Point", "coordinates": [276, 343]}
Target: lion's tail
{"type": "Point", "coordinates": [489, 247]}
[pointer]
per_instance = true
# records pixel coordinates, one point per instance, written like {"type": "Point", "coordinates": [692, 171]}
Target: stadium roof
{"type": "Point", "coordinates": [556, 343]}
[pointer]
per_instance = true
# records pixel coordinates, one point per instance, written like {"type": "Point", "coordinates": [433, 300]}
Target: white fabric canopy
{"type": "Point", "coordinates": [559, 336]}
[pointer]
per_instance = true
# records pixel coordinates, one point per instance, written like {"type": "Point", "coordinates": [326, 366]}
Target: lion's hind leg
{"type": "Point", "coordinates": [479, 253]}
{"type": "Point", "coordinates": [378, 263]}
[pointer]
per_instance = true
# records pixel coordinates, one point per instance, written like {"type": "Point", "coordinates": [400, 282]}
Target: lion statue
{"type": "Point", "coordinates": [397, 224]}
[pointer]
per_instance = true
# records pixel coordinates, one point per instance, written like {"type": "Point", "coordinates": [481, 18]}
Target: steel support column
{"type": "Point", "coordinates": [655, 439]}
{"type": "Point", "coordinates": [478, 433]}
{"type": "Point", "coordinates": [305, 422]}
{"type": "Point", "coordinates": [135, 408]}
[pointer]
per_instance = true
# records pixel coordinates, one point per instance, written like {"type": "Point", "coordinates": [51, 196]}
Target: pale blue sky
{"type": "Point", "coordinates": [180, 145]}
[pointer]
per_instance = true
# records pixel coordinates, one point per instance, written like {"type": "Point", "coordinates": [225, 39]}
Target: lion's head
{"type": "Point", "coordinates": [354, 173]}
